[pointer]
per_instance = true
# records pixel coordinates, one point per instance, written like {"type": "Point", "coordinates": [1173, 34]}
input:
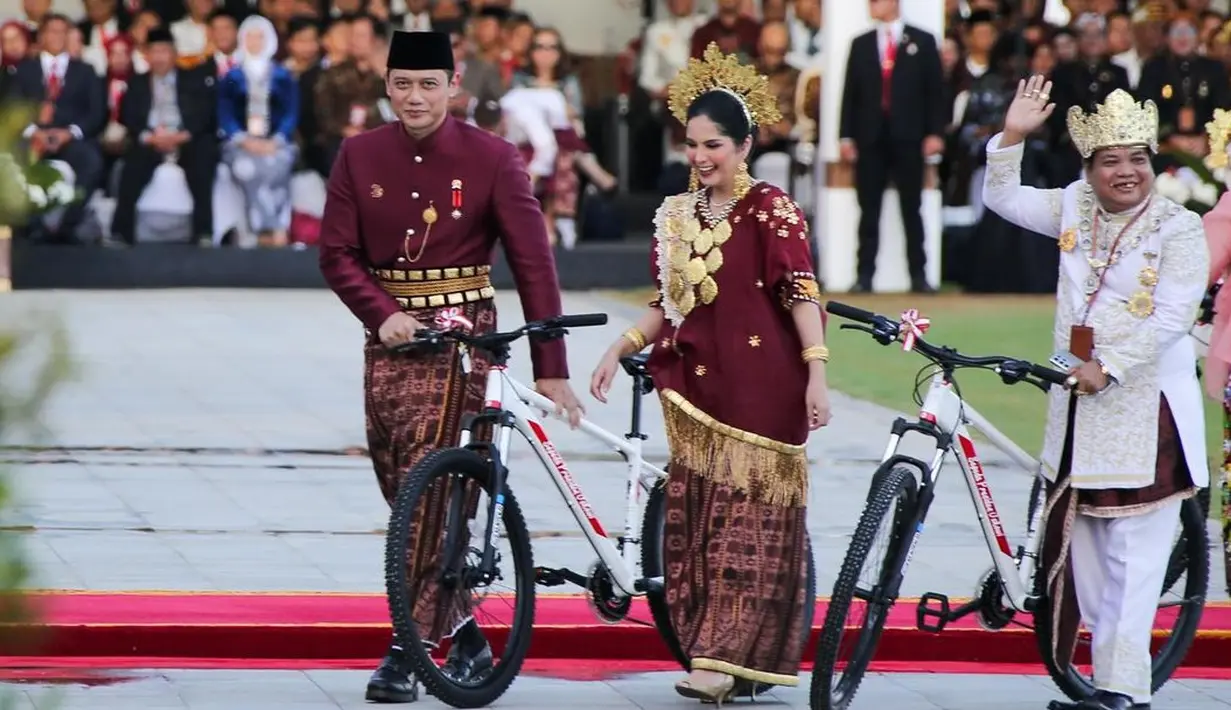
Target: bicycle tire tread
{"type": "Point", "coordinates": [466, 462]}
{"type": "Point", "coordinates": [885, 491]}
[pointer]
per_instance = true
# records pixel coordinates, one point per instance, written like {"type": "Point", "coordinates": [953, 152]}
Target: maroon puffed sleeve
{"type": "Point", "coordinates": [342, 260]}
{"type": "Point", "coordinates": [530, 258]}
{"type": "Point", "coordinates": [788, 258]}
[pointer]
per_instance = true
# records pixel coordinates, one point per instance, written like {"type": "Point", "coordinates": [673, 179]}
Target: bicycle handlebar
{"type": "Point", "coordinates": [885, 330]}
{"type": "Point", "coordinates": [547, 329]}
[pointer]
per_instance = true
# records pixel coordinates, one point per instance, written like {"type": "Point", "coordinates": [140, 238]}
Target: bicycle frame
{"type": "Point", "coordinates": [947, 419]}
{"type": "Point", "coordinates": [510, 402]}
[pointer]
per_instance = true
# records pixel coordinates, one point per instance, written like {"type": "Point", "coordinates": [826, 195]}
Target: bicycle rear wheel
{"type": "Point", "coordinates": [1190, 560]}
{"type": "Point", "coordinates": [652, 566]}
{"type": "Point", "coordinates": [450, 484]}
{"type": "Point", "coordinates": [840, 666]}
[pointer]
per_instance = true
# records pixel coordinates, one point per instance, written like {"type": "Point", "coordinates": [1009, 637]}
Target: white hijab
{"type": "Point", "coordinates": [257, 66]}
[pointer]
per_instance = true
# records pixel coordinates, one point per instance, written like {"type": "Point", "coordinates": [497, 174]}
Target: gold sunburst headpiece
{"type": "Point", "coordinates": [723, 72]}
{"type": "Point", "coordinates": [1117, 122]}
{"type": "Point", "coordinates": [1219, 130]}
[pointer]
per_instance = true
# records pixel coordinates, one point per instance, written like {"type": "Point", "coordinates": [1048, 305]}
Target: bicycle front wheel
{"type": "Point", "coordinates": [652, 566]}
{"type": "Point", "coordinates": [845, 649]}
{"type": "Point", "coordinates": [1179, 613]}
{"type": "Point", "coordinates": [438, 525]}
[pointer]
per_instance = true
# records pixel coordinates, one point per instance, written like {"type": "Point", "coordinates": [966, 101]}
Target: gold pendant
{"type": "Point", "coordinates": [705, 240]}
{"type": "Point", "coordinates": [695, 271]}
{"type": "Point", "coordinates": [1148, 277]}
{"type": "Point", "coordinates": [1141, 304]}
{"type": "Point", "coordinates": [708, 289]}
{"type": "Point", "coordinates": [1068, 240]}
{"type": "Point", "coordinates": [429, 215]}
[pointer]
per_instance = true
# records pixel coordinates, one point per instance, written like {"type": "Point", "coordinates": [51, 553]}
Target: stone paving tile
{"type": "Point", "coordinates": [313, 690]}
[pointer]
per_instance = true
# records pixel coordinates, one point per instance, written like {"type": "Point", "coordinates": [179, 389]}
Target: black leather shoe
{"type": "Point", "coordinates": [393, 681]}
{"type": "Point", "coordinates": [1104, 700]}
{"type": "Point", "coordinates": [465, 667]}
{"type": "Point", "coordinates": [862, 286]}
{"type": "Point", "coordinates": [921, 286]}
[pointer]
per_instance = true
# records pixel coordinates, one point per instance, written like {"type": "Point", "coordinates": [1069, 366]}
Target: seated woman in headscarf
{"type": "Point", "coordinates": [258, 111]}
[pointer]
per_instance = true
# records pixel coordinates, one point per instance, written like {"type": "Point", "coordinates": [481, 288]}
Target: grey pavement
{"type": "Point", "coordinates": [208, 444]}
{"type": "Point", "coordinates": [321, 690]}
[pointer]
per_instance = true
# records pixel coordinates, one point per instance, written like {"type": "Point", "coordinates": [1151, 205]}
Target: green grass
{"type": "Point", "coordinates": [1017, 326]}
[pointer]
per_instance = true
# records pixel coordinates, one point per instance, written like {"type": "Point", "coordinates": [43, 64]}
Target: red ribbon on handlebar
{"type": "Point", "coordinates": [912, 327]}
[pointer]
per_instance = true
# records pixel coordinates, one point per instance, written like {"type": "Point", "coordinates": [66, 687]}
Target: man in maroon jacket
{"type": "Point", "coordinates": [413, 212]}
{"type": "Point", "coordinates": [734, 33]}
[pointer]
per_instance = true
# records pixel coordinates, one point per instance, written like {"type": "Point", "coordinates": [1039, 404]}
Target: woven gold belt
{"type": "Point", "coordinates": [430, 288]}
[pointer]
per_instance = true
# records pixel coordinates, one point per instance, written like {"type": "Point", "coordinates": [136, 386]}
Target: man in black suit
{"type": "Point", "coordinates": [892, 118]}
{"type": "Point", "coordinates": [73, 112]}
{"type": "Point", "coordinates": [171, 116]}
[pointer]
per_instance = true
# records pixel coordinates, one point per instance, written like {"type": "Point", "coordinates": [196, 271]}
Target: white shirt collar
{"type": "Point", "coordinates": [896, 28]}
{"type": "Point", "coordinates": [58, 60]}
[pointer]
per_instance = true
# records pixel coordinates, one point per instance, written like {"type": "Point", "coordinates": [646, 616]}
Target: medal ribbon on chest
{"type": "Point", "coordinates": [457, 199]}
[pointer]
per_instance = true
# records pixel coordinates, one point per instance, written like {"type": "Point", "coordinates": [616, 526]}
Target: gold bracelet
{"type": "Point", "coordinates": [635, 337]}
{"type": "Point", "coordinates": [814, 353]}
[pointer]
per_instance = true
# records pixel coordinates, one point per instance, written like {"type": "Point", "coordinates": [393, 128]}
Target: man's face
{"type": "Point", "coordinates": [728, 6]}
{"type": "Point", "coordinates": [682, 8]}
{"type": "Point", "coordinates": [54, 37]}
{"type": "Point", "coordinates": [416, 6]}
{"type": "Point", "coordinates": [303, 45]}
{"type": "Point", "coordinates": [1091, 41]}
{"type": "Point", "coordinates": [99, 11]}
{"type": "Point", "coordinates": [883, 10]}
{"type": "Point", "coordinates": [337, 40]}
{"type": "Point", "coordinates": [35, 9]}
{"type": "Point", "coordinates": [1122, 178]}
{"type": "Point", "coordinates": [1182, 39]}
{"type": "Point", "coordinates": [420, 98]}
{"type": "Point", "coordinates": [774, 42]}
{"type": "Point", "coordinates": [361, 33]}
{"type": "Point", "coordinates": [518, 39]}
{"type": "Point", "coordinates": [223, 31]}
{"type": "Point", "coordinates": [809, 11]}
{"type": "Point", "coordinates": [982, 37]}
{"type": "Point", "coordinates": [1119, 35]}
{"type": "Point", "coordinates": [486, 31]}
{"type": "Point", "coordinates": [161, 57]}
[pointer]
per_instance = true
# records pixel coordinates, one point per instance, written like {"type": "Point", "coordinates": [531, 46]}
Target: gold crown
{"type": "Point", "coordinates": [716, 70]}
{"type": "Point", "coordinates": [1219, 130]}
{"type": "Point", "coordinates": [1119, 121]}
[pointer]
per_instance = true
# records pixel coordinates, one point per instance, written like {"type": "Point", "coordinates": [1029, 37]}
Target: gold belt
{"type": "Point", "coordinates": [430, 288]}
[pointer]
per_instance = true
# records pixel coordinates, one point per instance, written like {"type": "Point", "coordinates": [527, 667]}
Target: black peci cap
{"type": "Point", "coordinates": [419, 51]}
{"type": "Point", "coordinates": [159, 34]}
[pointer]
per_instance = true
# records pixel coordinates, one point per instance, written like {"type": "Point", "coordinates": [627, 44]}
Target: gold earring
{"type": "Point", "coordinates": [694, 180]}
{"type": "Point", "coordinates": [742, 181]}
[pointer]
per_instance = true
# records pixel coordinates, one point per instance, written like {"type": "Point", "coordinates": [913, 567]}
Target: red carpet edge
{"type": "Point", "coordinates": [280, 630]}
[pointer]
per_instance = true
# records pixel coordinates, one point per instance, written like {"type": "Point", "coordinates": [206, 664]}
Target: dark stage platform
{"type": "Point", "coordinates": [608, 265]}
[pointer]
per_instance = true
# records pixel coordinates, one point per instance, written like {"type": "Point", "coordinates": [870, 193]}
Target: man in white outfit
{"type": "Point", "coordinates": [1127, 447]}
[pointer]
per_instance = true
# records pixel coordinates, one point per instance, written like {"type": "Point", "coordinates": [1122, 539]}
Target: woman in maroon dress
{"type": "Point", "coordinates": [739, 362]}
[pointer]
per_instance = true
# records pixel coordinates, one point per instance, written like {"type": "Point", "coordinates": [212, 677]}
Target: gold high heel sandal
{"type": "Point", "coordinates": [718, 693]}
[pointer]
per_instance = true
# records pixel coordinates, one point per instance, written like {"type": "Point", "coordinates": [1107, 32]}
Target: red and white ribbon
{"type": "Point", "coordinates": [912, 328]}
{"type": "Point", "coordinates": [450, 318]}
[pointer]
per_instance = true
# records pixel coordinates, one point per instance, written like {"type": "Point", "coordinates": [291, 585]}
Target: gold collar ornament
{"type": "Point", "coordinates": [723, 72]}
{"type": "Point", "coordinates": [1117, 122]}
{"type": "Point", "coordinates": [1218, 130]}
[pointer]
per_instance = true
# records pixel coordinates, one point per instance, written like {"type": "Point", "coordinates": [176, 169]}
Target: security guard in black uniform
{"type": "Point", "coordinates": [1086, 83]}
{"type": "Point", "coordinates": [1186, 87]}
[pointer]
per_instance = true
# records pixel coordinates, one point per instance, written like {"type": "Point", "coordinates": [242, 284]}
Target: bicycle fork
{"type": "Point", "coordinates": [455, 549]}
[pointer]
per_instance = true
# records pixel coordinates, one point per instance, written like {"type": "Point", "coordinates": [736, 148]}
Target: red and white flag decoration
{"type": "Point", "coordinates": [912, 328]}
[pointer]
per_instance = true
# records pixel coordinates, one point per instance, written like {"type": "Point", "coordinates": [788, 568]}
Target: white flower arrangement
{"type": "Point", "coordinates": [1193, 189]}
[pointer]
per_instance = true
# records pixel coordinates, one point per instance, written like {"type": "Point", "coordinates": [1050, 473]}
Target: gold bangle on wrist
{"type": "Point", "coordinates": [635, 337]}
{"type": "Point", "coordinates": [814, 353]}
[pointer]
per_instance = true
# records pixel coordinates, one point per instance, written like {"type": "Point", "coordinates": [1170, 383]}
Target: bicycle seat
{"type": "Point", "coordinates": [634, 365]}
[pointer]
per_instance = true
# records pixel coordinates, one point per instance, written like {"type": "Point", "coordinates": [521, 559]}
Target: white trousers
{"type": "Point", "coordinates": [1119, 565]}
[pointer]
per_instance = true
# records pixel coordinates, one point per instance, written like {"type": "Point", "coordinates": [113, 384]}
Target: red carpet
{"type": "Point", "coordinates": [247, 630]}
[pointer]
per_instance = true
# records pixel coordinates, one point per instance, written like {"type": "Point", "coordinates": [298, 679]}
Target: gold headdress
{"type": "Point", "coordinates": [723, 72]}
{"type": "Point", "coordinates": [1119, 121]}
{"type": "Point", "coordinates": [1219, 130]}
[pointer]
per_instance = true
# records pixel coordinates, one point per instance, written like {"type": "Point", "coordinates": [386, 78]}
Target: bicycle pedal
{"type": "Point", "coordinates": [933, 606]}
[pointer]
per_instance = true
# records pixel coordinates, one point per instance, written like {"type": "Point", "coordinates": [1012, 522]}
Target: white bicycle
{"type": "Point", "coordinates": [902, 491]}
{"type": "Point", "coordinates": [480, 542]}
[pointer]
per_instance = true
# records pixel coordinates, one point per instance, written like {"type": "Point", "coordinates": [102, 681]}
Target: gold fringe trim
{"type": "Point", "coordinates": [769, 471]}
{"type": "Point", "coordinates": [710, 664]}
